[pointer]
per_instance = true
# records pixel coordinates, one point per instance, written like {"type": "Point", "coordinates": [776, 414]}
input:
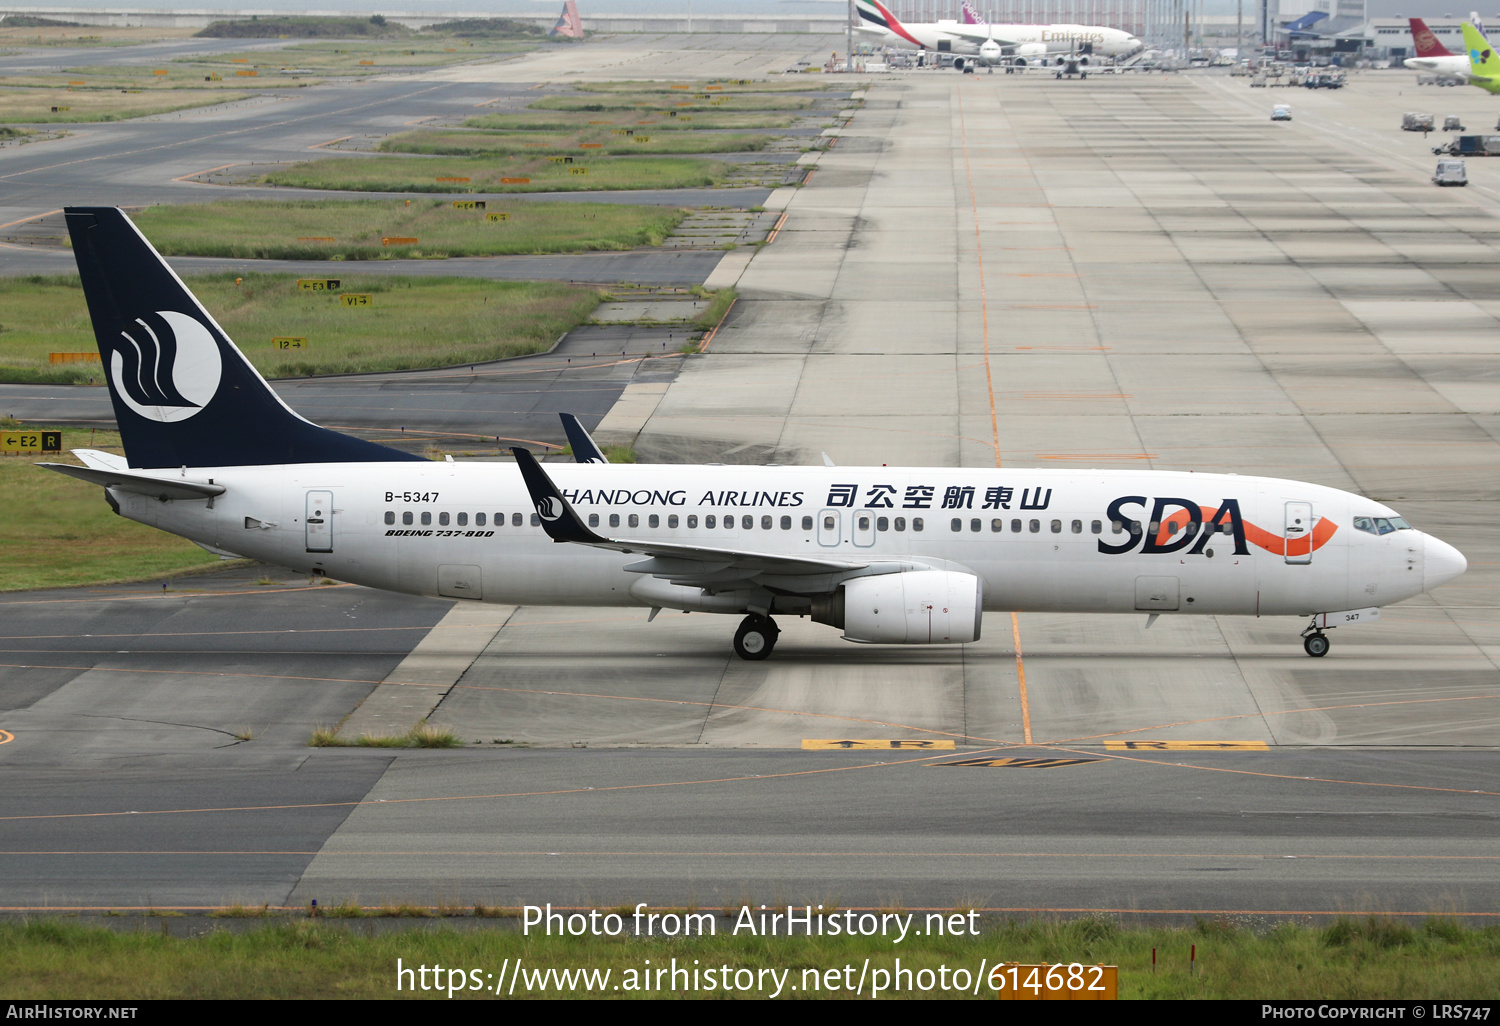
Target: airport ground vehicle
{"type": "Point", "coordinates": [1333, 79]}
{"type": "Point", "coordinates": [1453, 123]}
{"type": "Point", "coordinates": [1281, 112]}
{"type": "Point", "coordinates": [1450, 172]}
{"type": "Point", "coordinates": [1415, 122]}
{"type": "Point", "coordinates": [888, 555]}
{"type": "Point", "coordinates": [1470, 146]}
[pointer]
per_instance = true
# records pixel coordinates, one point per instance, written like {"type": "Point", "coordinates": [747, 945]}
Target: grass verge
{"type": "Point", "coordinates": [568, 121]}
{"type": "Point", "coordinates": [479, 144]}
{"type": "Point", "coordinates": [410, 323]}
{"type": "Point", "coordinates": [60, 532]}
{"type": "Point", "coordinates": [35, 106]}
{"type": "Point", "coordinates": [719, 87]}
{"type": "Point", "coordinates": [715, 311]}
{"type": "Point", "coordinates": [432, 174]}
{"type": "Point", "coordinates": [1349, 960]}
{"type": "Point", "coordinates": [268, 229]}
{"type": "Point", "coordinates": [13, 33]}
{"type": "Point", "coordinates": [663, 101]}
{"type": "Point", "coordinates": [419, 736]}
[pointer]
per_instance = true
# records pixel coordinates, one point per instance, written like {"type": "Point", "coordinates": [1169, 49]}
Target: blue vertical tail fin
{"type": "Point", "coordinates": [184, 395]}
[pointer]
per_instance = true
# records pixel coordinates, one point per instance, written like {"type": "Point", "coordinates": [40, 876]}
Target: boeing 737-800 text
{"type": "Point", "coordinates": [887, 555]}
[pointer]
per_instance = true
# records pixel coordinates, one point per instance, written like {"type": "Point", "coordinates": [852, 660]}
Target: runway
{"type": "Point", "coordinates": [985, 270]}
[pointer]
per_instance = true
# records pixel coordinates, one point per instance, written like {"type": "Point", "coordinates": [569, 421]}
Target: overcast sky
{"type": "Point", "coordinates": [500, 8]}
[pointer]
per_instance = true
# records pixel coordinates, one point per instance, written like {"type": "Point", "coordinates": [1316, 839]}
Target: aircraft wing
{"type": "Point", "coordinates": [674, 561]}
{"type": "Point", "coordinates": [976, 34]}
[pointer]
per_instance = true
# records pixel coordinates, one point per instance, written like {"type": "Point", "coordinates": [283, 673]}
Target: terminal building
{"type": "Point", "coordinates": [1311, 29]}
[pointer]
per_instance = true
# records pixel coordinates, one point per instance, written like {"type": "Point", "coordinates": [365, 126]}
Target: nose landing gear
{"type": "Point", "coordinates": [1314, 642]}
{"type": "Point", "coordinates": [756, 637]}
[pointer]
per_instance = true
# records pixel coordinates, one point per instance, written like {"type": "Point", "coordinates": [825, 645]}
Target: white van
{"type": "Point", "coordinates": [1450, 172]}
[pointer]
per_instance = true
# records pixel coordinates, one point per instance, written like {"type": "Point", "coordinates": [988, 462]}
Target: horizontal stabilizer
{"type": "Point", "coordinates": [142, 484]}
{"type": "Point", "coordinates": [100, 460]}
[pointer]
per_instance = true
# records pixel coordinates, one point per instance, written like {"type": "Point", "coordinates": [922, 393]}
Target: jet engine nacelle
{"type": "Point", "coordinates": [920, 607]}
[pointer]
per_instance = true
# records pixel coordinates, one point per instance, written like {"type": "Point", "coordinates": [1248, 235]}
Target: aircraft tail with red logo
{"type": "Point", "coordinates": [875, 16]}
{"type": "Point", "coordinates": [569, 25]}
{"type": "Point", "coordinates": [1426, 42]}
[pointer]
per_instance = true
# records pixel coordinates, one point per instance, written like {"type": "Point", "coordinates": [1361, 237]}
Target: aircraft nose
{"type": "Point", "coordinates": [1441, 563]}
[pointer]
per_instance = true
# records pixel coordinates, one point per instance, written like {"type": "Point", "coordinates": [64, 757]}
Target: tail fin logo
{"type": "Point", "coordinates": [1426, 41]}
{"type": "Point", "coordinates": [167, 372]}
{"type": "Point", "coordinates": [548, 508]}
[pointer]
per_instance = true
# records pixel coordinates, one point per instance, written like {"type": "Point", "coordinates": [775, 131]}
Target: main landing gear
{"type": "Point", "coordinates": [1314, 641]}
{"type": "Point", "coordinates": [756, 637]}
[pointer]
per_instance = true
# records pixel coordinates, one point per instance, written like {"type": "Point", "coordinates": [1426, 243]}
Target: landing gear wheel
{"type": "Point", "coordinates": [756, 637]}
{"type": "Point", "coordinates": [1316, 645]}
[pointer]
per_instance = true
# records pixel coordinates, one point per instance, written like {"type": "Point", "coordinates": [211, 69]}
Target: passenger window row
{"type": "Point", "coordinates": [458, 519]}
{"type": "Point", "coordinates": [862, 523]}
{"type": "Point", "coordinates": [997, 525]}
{"type": "Point", "coordinates": [1173, 527]}
{"type": "Point", "coordinates": [712, 521]}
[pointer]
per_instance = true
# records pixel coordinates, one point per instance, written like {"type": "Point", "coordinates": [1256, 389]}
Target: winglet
{"type": "Point", "coordinates": [585, 449]}
{"type": "Point", "coordinates": [559, 520]}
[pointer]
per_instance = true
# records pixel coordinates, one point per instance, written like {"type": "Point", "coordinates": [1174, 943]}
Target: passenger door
{"type": "Point", "coordinates": [319, 521]}
{"type": "Point", "coordinates": [1299, 529]}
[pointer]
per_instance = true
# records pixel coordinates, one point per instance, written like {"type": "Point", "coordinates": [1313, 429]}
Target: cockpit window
{"type": "Point", "coordinates": [1380, 525]}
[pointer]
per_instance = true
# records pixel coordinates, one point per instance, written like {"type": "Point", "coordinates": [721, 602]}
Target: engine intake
{"type": "Point", "coordinates": [920, 607]}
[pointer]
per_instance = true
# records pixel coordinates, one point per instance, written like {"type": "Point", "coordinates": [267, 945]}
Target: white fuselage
{"type": "Point", "coordinates": [956, 37]}
{"type": "Point", "coordinates": [1046, 540]}
{"type": "Point", "coordinates": [1453, 66]}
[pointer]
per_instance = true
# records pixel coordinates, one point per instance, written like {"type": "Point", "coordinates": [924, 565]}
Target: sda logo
{"type": "Point", "coordinates": [166, 375]}
{"type": "Point", "coordinates": [549, 509]}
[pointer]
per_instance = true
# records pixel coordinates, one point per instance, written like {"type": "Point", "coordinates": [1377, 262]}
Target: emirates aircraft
{"type": "Point", "coordinates": [899, 556]}
{"type": "Point", "coordinates": [995, 44]}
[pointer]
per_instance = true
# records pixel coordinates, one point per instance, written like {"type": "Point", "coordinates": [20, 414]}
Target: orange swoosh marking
{"type": "Point", "coordinates": [1273, 543]}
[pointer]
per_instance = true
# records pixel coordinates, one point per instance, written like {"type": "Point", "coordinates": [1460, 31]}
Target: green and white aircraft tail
{"type": "Point", "coordinates": [1484, 65]}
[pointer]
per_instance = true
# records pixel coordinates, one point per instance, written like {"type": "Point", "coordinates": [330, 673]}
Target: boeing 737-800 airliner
{"type": "Point", "coordinates": [887, 555]}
